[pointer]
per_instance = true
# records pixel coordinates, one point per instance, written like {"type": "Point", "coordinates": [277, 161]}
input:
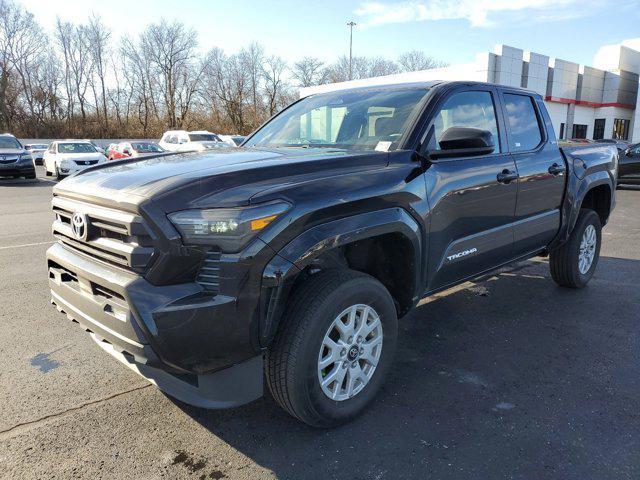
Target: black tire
{"type": "Point", "coordinates": [291, 362]}
{"type": "Point", "coordinates": [57, 173]}
{"type": "Point", "coordinates": [30, 176]}
{"type": "Point", "coordinates": [563, 261]}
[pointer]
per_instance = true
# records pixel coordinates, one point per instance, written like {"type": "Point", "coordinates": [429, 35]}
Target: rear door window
{"type": "Point", "coordinates": [523, 128]}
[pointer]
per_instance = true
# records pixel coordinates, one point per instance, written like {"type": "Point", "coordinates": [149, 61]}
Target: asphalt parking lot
{"type": "Point", "coordinates": [511, 377]}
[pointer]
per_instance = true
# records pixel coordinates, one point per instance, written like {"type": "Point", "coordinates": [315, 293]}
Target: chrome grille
{"type": "Point", "coordinates": [113, 236]}
{"type": "Point", "coordinates": [209, 274]}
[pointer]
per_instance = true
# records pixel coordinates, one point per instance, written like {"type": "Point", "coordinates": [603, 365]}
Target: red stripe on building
{"type": "Point", "coordinates": [588, 104]}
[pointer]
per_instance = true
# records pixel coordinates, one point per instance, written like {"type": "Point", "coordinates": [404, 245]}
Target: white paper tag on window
{"type": "Point", "coordinates": [518, 144]}
{"type": "Point", "coordinates": [383, 146]}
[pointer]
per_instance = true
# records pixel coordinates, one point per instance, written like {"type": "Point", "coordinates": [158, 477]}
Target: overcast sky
{"type": "Point", "coordinates": [453, 31]}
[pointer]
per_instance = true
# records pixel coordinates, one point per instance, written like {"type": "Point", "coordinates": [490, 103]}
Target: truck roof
{"type": "Point", "coordinates": [371, 83]}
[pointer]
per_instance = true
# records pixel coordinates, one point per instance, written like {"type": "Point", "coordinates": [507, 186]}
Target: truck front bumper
{"type": "Point", "coordinates": [168, 334]}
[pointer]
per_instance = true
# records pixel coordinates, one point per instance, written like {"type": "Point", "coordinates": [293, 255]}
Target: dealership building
{"type": "Point", "coordinates": [583, 101]}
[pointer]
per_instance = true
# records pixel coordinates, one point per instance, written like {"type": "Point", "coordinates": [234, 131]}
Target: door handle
{"type": "Point", "coordinates": [507, 176]}
{"type": "Point", "coordinates": [556, 169]}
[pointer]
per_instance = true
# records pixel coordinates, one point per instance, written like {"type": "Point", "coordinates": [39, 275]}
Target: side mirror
{"type": "Point", "coordinates": [464, 142]}
{"type": "Point", "coordinates": [627, 152]}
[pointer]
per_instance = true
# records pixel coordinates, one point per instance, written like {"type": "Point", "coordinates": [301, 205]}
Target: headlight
{"type": "Point", "coordinates": [228, 228]}
{"type": "Point", "coordinates": [64, 163]}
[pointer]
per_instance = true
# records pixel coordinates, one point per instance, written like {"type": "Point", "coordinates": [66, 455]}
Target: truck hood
{"type": "Point", "coordinates": [191, 178]}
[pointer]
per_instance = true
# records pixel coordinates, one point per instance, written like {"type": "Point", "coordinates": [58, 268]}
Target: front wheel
{"type": "Point", "coordinates": [334, 348]}
{"type": "Point", "coordinates": [573, 264]}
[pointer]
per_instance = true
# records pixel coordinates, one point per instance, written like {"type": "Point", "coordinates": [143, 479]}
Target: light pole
{"type": "Point", "coordinates": [351, 25]}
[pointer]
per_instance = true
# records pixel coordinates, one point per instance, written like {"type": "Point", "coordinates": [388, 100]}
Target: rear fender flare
{"type": "Point", "coordinates": [573, 201]}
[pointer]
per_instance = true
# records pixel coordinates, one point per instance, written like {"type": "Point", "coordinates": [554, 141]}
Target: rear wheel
{"type": "Point", "coordinates": [573, 264]}
{"type": "Point", "coordinates": [334, 348]}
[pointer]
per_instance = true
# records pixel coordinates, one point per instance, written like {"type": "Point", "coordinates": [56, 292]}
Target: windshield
{"type": "Point", "coordinates": [9, 142]}
{"type": "Point", "coordinates": [146, 147]}
{"type": "Point", "coordinates": [364, 120]}
{"type": "Point", "coordinates": [76, 148]}
{"type": "Point", "coordinates": [203, 137]}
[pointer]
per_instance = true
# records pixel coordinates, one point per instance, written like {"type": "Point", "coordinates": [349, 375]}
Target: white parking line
{"type": "Point", "coordinates": [26, 245]}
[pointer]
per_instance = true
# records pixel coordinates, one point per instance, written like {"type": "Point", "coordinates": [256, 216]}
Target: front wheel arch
{"type": "Point", "coordinates": [384, 244]}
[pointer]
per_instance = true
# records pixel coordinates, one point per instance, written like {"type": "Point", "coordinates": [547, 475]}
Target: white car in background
{"type": "Point", "coordinates": [37, 152]}
{"type": "Point", "coordinates": [196, 141]}
{"type": "Point", "coordinates": [233, 140]}
{"type": "Point", "coordinates": [65, 157]}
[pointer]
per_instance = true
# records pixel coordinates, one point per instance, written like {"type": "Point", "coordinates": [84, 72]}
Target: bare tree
{"type": "Point", "coordinates": [81, 81]}
{"type": "Point", "coordinates": [23, 50]}
{"type": "Point", "coordinates": [379, 66]}
{"type": "Point", "coordinates": [73, 41]}
{"type": "Point", "coordinates": [228, 84]}
{"type": "Point", "coordinates": [416, 60]}
{"type": "Point", "coordinates": [252, 59]}
{"type": "Point", "coordinates": [273, 71]}
{"type": "Point", "coordinates": [98, 40]}
{"type": "Point", "coordinates": [309, 71]}
{"type": "Point", "coordinates": [172, 50]}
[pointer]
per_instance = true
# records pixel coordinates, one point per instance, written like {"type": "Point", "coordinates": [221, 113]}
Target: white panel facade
{"type": "Point", "coordinates": [558, 114]}
{"type": "Point", "coordinates": [574, 95]}
{"type": "Point", "coordinates": [535, 72]}
{"type": "Point", "coordinates": [583, 116]}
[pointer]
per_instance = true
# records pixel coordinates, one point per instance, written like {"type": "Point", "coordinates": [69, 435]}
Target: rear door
{"type": "Point", "coordinates": [472, 207]}
{"type": "Point", "coordinates": [541, 168]}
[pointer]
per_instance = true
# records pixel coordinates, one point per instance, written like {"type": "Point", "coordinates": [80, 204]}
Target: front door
{"type": "Point", "coordinates": [542, 172]}
{"type": "Point", "coordinates": [472, 199]}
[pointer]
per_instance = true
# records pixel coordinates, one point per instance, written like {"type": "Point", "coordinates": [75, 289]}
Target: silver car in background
{"type": "Point", "coordinates": [37, 152]}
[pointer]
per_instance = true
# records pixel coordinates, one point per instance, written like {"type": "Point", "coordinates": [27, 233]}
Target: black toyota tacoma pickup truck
{"type": "Point", "coordinates": [291, 258]}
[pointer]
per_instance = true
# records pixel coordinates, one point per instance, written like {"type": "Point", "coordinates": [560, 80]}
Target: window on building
{"type": "Point", "coordinates": [561, 131]}
{"type": "Point", "coordinates": [621, 129]}
{"type": "Point", "coordinates": [467, 109]}
{"type": "Point", "coordinates": [579, 131]}
{"type": "Point", "coordinates": [523, 128]}
{"type": "Point", "coordinates": [598, 128]}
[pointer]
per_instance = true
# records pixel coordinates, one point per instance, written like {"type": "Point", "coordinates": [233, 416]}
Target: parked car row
{"type": "Point", "coordinates": [61, 158]}
{"type": "Point", "coordinates": [65, 157]}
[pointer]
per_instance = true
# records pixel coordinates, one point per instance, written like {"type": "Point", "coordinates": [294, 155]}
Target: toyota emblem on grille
{"type": "Point", "coordinates": [80, 226]}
